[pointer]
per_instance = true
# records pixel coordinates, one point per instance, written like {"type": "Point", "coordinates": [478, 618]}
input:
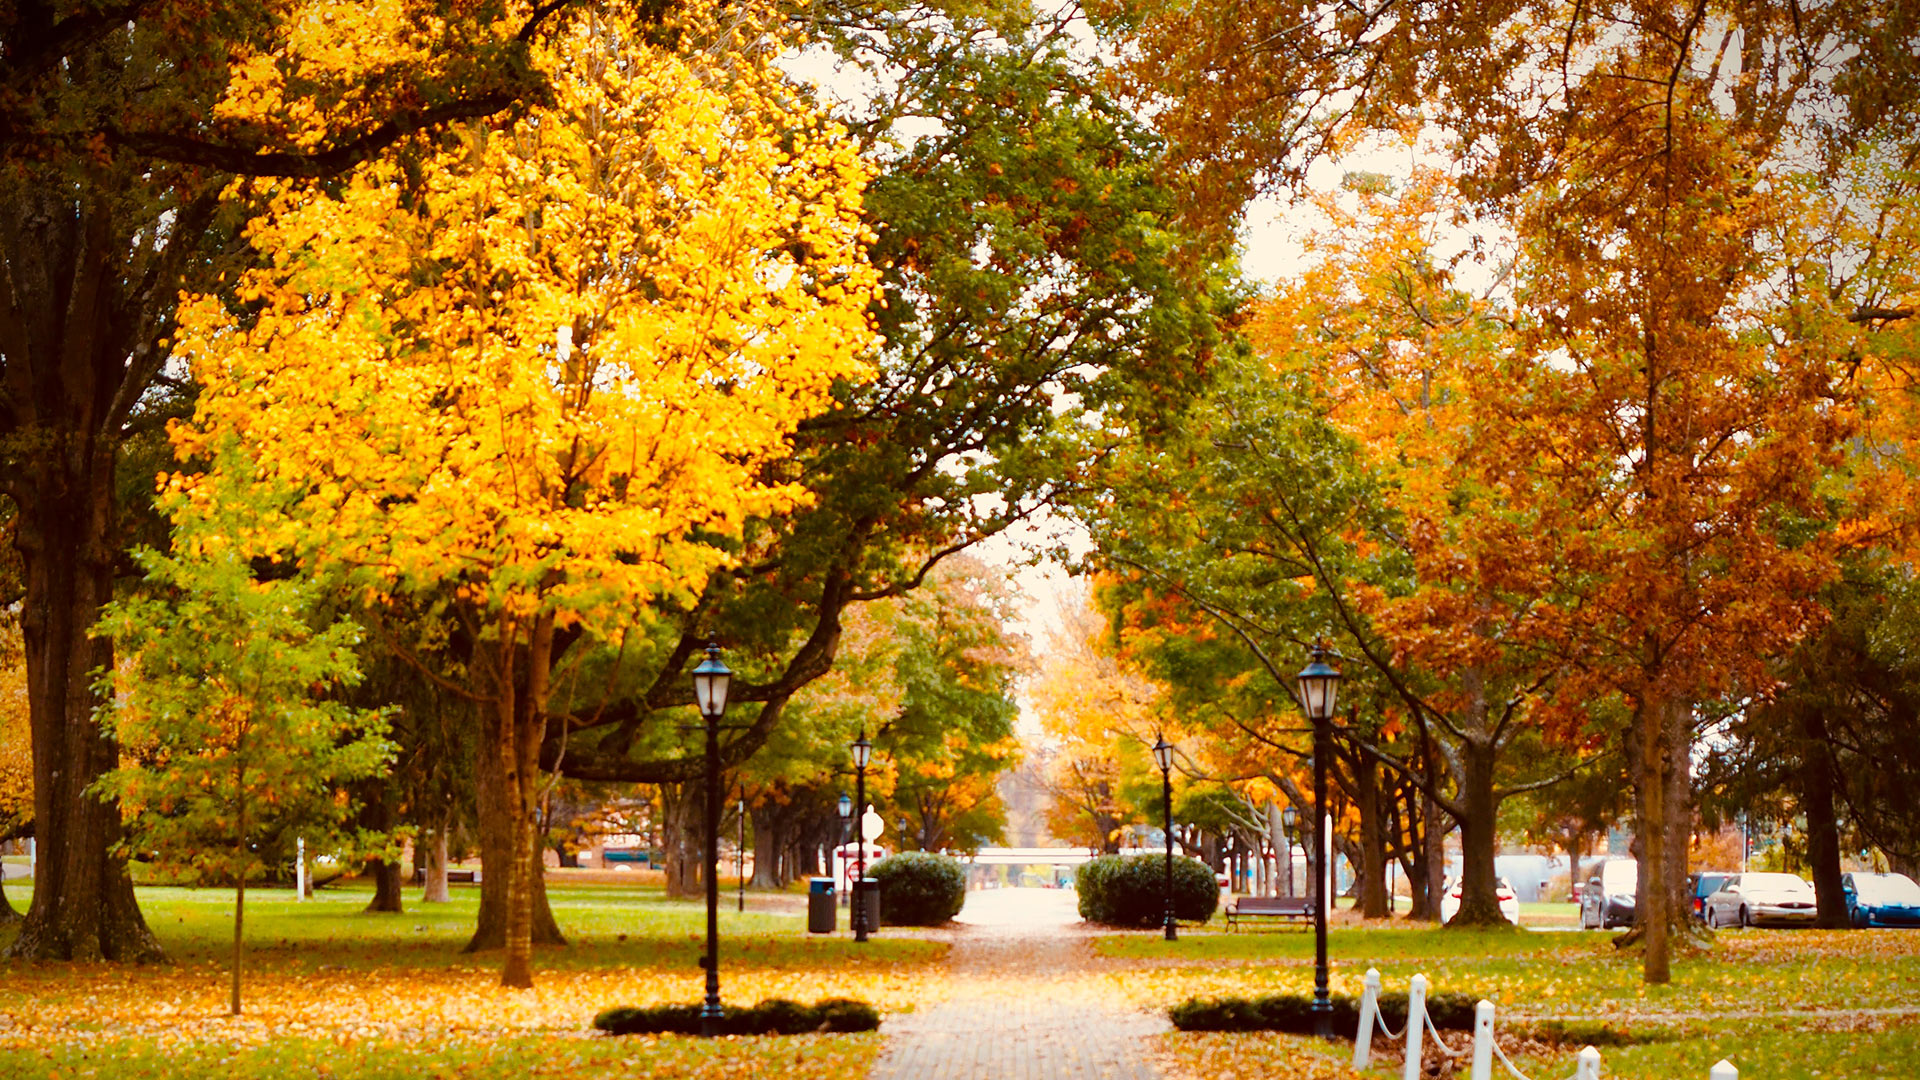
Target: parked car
{"type": "Point", "coordinates": [1881, 899]}
{"type": "Point", "coordinates": [1607, 900]}
{"type": "Point", "coordinates": [1702, 884]}
{"type": "Point", "coordinates": [1761, 900]}
{"type": "Point", "coordinates": [1502, 891]}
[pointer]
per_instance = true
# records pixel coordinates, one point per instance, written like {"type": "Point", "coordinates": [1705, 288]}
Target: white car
{"type": "Point", "coordinates": [1503, 891]}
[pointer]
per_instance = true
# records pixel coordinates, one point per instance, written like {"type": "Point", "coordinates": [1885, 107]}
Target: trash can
{"type": "Point", "coordinates": [866, 893]}
{"type": "Point", "coordinates": [820, 914]}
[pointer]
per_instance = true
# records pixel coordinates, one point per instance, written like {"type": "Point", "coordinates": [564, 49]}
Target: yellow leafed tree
{"type": "Point", "coordinates": [541, 366]}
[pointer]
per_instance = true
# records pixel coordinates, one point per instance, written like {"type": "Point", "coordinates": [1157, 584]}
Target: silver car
{"type": "Point", "coordinates": [1761, 900]}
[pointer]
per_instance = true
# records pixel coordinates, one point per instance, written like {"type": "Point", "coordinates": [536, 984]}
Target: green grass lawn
{"type": "Point", "coordinates": [333, 990]}
{"type": "Point", "coordinates": [1781, 1004]}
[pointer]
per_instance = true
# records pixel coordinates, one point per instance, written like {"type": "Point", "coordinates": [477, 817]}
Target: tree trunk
{"type": "Point", "coordinates": [681, 842]}
{"type": "Point", "coordinates": [1576, 851]}
{"type": "Point", "coordinates": [85, 299]}
{"type": "Point", "coordinates": [387, 885]}
{"type": "Point", "coordinates": [495, 825]}
{"type": "Point", "coordinates": [377, 815]}
{"type": "Point", "coordinates": [769, 839]}
{"type": "Point", "coordinates": [1479, 904]}
{"type": "Point", "coordinates": [1823, 829]}
{"type": "Point", "coordinates": [83, 905]}
{"type": "Point", "coordinates": [1373, 848]}
{"type": "Point", "coordinates": [1656, 760]}
{"type": "Point", "coordinates": [7, 914]}
{"type": "Point", "coordinates": [435, 891]}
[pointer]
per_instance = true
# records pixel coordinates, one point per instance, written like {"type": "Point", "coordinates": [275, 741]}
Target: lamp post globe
{"type": "Point", "coordinates": [862, 751]}
{"type": "Point", "coordinates": [1319, 685]}
{"type": "Point", "coordinates": [711, 681]}
{"type": "Point", "coordinates": [1163, 757]}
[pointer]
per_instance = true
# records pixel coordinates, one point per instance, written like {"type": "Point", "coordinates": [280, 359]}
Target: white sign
{"type": "Point", "coordinates": [871, 825]}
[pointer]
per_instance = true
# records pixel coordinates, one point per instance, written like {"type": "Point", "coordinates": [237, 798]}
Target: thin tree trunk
{"type": "Point", "coordinates": [1653, 816]}
{"type": "Point", "coordinates": [1373, 863]}
{"type": "Point", "coordinates": [239, 878]}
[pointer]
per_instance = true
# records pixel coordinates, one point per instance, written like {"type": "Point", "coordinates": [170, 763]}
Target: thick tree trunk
{"type": "Point", "coordinates": [1823, 828]}
{"type": "Point", "coordinates": [7, 914]}
{"type": "Point", "coordinates": [494, 803]}
{"type": "Point", "coordinates": [1479, 904]}
{"type": "Point", "coordinates": [85, 297]}
{"type": "Point", "coordinates": [769, 839]}
{"type": "Point", "coordinates": [387, 885]}
{"type": "Point", "coordinates": [435, 885]}
{"type": "Point", "coordinates": [83, 905]}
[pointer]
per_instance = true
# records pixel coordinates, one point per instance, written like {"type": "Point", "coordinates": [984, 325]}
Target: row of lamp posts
{"type": "Point", "coordinates": [1318, 685]}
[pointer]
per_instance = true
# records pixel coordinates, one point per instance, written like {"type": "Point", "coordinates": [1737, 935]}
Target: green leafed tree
{"type": "Point", "coordinates": [220, 704]}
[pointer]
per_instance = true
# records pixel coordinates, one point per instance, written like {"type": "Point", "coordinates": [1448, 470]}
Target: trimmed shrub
{"type": "Point", "coordinates": [1293, 1013]}
{"type": "Point", "coordinates": [774, 1016]}
{"type": "Point", "coordinates": [1131, 890]}
{"type": "Point", "coordinates": [919, 888]}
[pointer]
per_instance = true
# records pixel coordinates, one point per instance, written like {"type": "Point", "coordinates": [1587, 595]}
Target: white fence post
{"type": "Point", "coordinates": [1589, 1067]}
{"type": "Point", "coordinates": [1482, 1041]}
{"type": "Point", "coordinates": [300, 869]}
{"type": "Point", "coordinates": [1369, 1008]}
{"type": "Point", "coordinates": [1724, 1071]}
{"type": "Point", "coordinates": [1416, 1023]}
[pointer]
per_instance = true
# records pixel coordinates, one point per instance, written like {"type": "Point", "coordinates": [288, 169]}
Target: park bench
{"type": "Point", "coordinates": [1257, 909]}
{"type": "Point", "coordinates": [468, 877]}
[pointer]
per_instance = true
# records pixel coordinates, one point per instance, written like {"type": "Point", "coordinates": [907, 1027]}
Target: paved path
{"type": "Point", "coordinates": [1014, 1011]}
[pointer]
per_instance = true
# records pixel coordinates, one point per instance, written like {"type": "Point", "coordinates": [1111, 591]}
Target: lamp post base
{"type": "Point", "coordinates": [1173, 932]}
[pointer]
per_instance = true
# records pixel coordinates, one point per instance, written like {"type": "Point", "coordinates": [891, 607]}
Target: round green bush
{"type": "Point", "coordinates": [1131, 890]}
{"type": "Point", "coordinates": [919, 888]}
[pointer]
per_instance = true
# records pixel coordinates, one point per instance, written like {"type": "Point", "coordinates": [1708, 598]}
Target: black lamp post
{"type": "Point", "coordinates": [1287, 819]}
{"type": "Point", "coordinates": [1163, 757]}
{"type": "Point", "coordinates": [710, 682]}
{"type": "Point", "coordinates": [740, 854]}
{"type": "Point", "coordinates": [1318, 684]}
{"type": "Point", "coordinates": [862, 753]}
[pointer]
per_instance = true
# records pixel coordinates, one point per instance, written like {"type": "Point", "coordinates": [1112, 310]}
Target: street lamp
{"type": "Point", "coordinates": [710, 682]}
{"type": "Point", "coordinates": [1319, 684]}
{"type": "Point", "coordinates": [862, 753]}
{"type": "Point", "coordinates": [740, 853]}
{"type": "Point", "coordinates": [1287, 819]}
{"type": "Point", "coordinates": [1163, 757]}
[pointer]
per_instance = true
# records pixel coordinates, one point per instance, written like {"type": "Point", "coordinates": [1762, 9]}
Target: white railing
{"type": "Point", "coordinates": [1484, 1049]}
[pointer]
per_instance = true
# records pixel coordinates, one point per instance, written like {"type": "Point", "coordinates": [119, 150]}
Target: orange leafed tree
{"type": "Point", "coordinates": [538, 369]}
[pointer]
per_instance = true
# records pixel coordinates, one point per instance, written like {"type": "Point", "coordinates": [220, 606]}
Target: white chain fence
{"type": "Point", "coordinates": [1483, 1048]}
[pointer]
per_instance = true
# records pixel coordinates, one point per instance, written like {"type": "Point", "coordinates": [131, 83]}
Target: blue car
{"type": "Point", "coordinates": [1881, 899]}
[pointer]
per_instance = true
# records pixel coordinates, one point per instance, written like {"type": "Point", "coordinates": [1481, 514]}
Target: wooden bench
{"type": "Point", "coordinates": [465, 877]}
{"type": "Point", "coordinates": [1281, 909]}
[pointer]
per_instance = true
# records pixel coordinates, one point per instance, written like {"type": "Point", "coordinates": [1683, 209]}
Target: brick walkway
{"type": "Point", "coordinates": [1013, 1012]}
